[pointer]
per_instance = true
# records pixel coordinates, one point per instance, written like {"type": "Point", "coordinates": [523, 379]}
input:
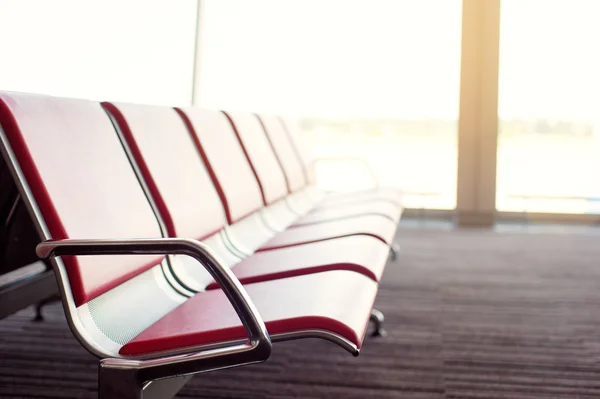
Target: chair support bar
{"type": "Point", "coordinates": [320, 334]}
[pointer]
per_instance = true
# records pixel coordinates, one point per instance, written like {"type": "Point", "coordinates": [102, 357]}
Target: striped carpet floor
{"type": "Point", "coordinates": [469, 314]}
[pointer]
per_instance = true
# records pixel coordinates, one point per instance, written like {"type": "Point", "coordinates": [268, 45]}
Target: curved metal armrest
{"type": "Point", "coordinates": [353, 159]}
{"type": "Point", "coordinates": [257, 349]}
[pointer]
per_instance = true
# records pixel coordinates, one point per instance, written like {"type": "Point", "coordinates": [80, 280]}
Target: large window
{"type": "Point", "coordinates": [377, 79]}
{"type": "Point", "coordinates": [549, 107]}
{"type": "Point", "coordinates": [135, 50]}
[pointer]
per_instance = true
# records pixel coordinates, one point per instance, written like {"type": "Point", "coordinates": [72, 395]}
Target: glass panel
{"type": "Point", "coordinates": [549, 107]}
{"type": "Point", "coordinates": [136, 51]}
{"type": "Point", "coordinates": [373, 78]}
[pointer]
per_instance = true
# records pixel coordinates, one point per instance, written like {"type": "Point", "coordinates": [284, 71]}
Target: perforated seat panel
{"type": "Point", "coordinates": [336, 301]}
{"type": "Point", "coordinates": [361, 254]}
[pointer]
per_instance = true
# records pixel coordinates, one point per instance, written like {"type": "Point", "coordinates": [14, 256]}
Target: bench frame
{"type": "Point", "coordinates": [120, 376]}
{"type": "Point", "coordinates": [162, 374]}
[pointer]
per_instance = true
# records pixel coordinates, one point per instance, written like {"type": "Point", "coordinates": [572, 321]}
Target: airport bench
{"type": "Point", "coordinates": [145, 211]}
{"type": "Point", "coordinates": [307, 161]}
{"type": "Point", "coordinates": [168, 159]}
{"type": "Point", "coordinates": [298, 171]}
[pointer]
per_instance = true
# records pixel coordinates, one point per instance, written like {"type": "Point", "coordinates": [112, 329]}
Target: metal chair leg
{"type": "Point", "coordinates": [377, 318]}
{"type": "Point", "coordinates": [166, 388]}
{"type": "Point", "coordinates": [116, 383]}
{"type": "Point", "coordinates": [394, 251]}
{"type": "Point", "coordinates": [39, 316]}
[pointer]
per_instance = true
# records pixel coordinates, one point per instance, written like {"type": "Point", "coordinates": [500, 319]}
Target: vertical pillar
{"type": "Point", "coordinates": [478, 116]}
{"type": "Point", "coordinates": [198, 53]}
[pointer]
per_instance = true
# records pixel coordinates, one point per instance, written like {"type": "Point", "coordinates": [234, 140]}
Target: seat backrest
{"type": "Point", "coordinates": [82, 182]}
{"type": "Point", "coordinates": [260, 154]}
{"type": "Point", "coordinates": [225, 160]}
{"type": "Point", "coordinates": [294, 133]}
{"type": "Point", "coordinates": [285, 151]}
{"type": "Point", "coordinates": [172, 168]}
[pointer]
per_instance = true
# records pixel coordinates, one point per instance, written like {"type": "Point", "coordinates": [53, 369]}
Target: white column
{"type": "Point", "coordinates": [198, 53]}
{"type": "Point", "coordinates": [478, 116]}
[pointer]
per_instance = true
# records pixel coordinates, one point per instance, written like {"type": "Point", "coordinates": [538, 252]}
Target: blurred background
{"type": "Point", "coordinates": [485, 112]}
{"type": "Point", "coordinates": [378, 79]}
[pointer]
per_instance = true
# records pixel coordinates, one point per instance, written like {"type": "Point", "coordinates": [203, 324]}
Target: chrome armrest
{"type": "Point", "coordinates": [257, 349]}
{"type": "Point", "coordinates": [353, 159]}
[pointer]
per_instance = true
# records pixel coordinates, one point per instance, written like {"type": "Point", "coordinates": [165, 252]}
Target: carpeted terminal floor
{"type": "Point", "coordinates": [469, 314]}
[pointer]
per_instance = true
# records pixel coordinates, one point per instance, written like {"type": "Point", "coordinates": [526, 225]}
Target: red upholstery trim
{"type": "Point", "coordinates": [207, 164]}
{"type": "Point", "coordinates": [347, 210]}
{"type": "Point", "coordinates": [163, 209]}
{"type": "Point", "coordinates": [50, 215]}
{"type": "Point", "coordinates": [134, 348]}
{"type": "Point", "coordinates": [296, 151]}
{"type": "Point", "coordinates": [237, 134]}
{"type": "Point", "coordinates": [19, 147]}
{"type": "Point", "coordinates": [82, 298]}
{"type": "Point", "coordinates": [266, 247]}
{"type": "Point", "coordinates": [300, 272]}
{"type": "Point", "coordinates": [376, 226]}
{"type": "Point", "coordinates": [287, 181]}
{"type": "Point", "coordinates": [139, 159]}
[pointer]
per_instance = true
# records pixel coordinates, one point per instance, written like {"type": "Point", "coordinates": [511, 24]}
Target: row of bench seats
{"type": "Point", "coordinates": [205, 200]}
